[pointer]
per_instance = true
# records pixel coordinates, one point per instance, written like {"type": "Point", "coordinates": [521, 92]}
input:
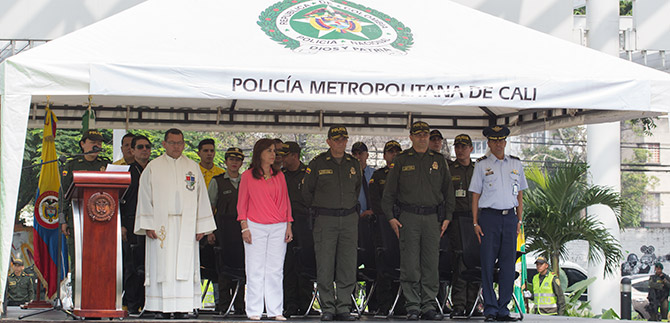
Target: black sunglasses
{"type": "Point", "coordinates": [147, 146]}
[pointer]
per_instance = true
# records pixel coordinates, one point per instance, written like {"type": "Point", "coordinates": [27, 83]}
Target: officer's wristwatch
{"type": "Point", "coordinates": [476, 224]}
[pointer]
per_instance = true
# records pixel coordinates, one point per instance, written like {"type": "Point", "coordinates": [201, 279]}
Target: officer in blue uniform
{"type": "Point", "coordinates": [497, 207]}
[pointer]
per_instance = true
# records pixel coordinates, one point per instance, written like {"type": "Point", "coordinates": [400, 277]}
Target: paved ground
{"type": "Point", "coordinates": [14, 312]}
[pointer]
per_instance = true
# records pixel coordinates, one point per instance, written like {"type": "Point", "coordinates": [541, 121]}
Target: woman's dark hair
{"type": "Point", "coordinates": [255, 166]}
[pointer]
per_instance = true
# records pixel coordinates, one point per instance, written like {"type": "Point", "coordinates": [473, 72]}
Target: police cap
{"type": "Point", "coordinates": [337, 132]}
{"type": "Point", "coordinates": [92, 134]}
{"type": "Point", "coordinates": [234, 152]}
{"type": "Point", "coordinates": [290, 147]}
{"type": "Point", "coordinates": [392, 144]}
{"type": "Point", "coordinates": [463, 139]}
{"type": "Point", "coordinates": [419, 127]}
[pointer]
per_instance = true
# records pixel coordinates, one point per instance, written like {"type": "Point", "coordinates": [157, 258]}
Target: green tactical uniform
{"type": "Point", "coordinates": [297, 289]}
{"type": "Point", "coordinates": [463, 294]}
{"type": "Point", "coordinates": [331, 189]}
{"type": "Point", "coordinates": [419, 183]}
{"type": "Point", "coordinates": [20, 289]}
{"type": "Point", "coordinates": [77, 164]}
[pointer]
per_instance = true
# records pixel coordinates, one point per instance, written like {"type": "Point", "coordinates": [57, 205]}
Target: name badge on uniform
{"type": "Point", "coordinates": [325, 171]}
{"type": "Point", "coordinates": [408, 168]}
{"type": "Point", "coordinates": [515, 189]}
{"type": "Point", "coordinates": [460, 193]}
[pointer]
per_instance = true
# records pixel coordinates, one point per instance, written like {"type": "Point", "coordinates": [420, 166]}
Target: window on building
{"type": "Point", "coordinates": [652, 208]}
{"type": "Point", "coordinates": [479, 147]}
{"type": "Point", "coordinates": [654, 152]}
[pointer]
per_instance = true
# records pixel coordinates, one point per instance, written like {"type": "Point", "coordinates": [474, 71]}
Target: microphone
{"type": "Point", "coordinates": [94, 150]}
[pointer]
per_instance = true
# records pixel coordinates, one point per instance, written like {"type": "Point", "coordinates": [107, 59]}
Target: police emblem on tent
{"type": "Point", "coordinates": [314, 26]}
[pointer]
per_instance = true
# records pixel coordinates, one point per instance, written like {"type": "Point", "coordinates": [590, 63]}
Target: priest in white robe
{"type": "Point", "coordinates": [174, 212]}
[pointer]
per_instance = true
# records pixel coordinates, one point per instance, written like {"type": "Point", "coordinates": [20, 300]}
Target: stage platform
{"type": "Point", "coordinates": [13, 314]}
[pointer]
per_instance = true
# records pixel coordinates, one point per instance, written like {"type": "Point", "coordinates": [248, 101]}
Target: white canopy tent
{"type": "Point", "coordinates": [302, 65]}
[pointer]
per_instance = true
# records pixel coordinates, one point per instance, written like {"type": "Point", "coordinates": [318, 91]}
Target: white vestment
{"type": "Point", "coordinates": [173, 201]}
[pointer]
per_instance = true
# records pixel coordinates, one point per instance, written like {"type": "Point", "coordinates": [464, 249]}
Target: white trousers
{"type": "Point", "coordinates": [264, 261]}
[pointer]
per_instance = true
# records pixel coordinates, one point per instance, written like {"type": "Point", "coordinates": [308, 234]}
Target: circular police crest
{"type": "Point", "coordinates": [46, 212]}
{"type": "Point", "coordinates": [313, 26]}
{"type": "Point", "coordinates": [101, 207]}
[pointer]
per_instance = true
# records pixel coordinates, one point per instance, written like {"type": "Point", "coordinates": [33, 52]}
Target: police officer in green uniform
{"type": "Point", "coordinates": [385, 290]}
{"type": "Point", "coordinates": [419, 182]}
{"type": "Point", "coordinates": [463, 293]}
{"type": "Point", "coordinates": [20, 289]}
{"type": "Point", "coordinates": [331, 188]}
{"type": "Point", "coordinates": [297, 289]}
{"type": "Point", "coordinates": [90, 144]}
{"type": "Point", "coordinates": [223, 191]}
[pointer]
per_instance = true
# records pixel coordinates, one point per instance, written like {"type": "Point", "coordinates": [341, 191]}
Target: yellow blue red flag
{"type": "Point", "coordinates": [45, 236]}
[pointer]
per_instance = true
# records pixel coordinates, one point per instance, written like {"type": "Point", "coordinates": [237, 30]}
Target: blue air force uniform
{"type": "Point", "coordinates": [499, 182]}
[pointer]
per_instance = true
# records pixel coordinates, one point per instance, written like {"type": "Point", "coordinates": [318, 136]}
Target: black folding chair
{"type": "Point", "coordinates": [306, 264]}
{"type": "Point", "coordinates": [445, 269]}
{"type": "Point", "coordinates": [366, 257]}
{"type": "Point", "coordinates": [388, 259]}
{"type": "Point", "coordinates": [230, 262]}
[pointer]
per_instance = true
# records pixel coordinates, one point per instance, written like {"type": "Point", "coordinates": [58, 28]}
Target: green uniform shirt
{"type": "Point", "coordinates": [330, 185]}
{"type": "Point", "coordinates": [294, 185]}
{"type": "Point", "coordinates": [377, 183]}
{"type": "Point", "coordinates": [20, 288]}
{"type": "Point", "coordinates": [460, 178]}
{"type": "Point", "coordinates": [79, 163]}
{"type": "Point", "coordinates": [418, 180]}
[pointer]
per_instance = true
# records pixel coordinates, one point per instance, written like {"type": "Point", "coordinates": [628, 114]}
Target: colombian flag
{"type": "Point", "coordinates": [45, 236]}
{"type": "Point", "coordinates": [521, 268]}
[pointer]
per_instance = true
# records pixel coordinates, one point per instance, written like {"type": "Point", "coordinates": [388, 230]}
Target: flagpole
{"type": "Point", "coordinates": [57, 303]}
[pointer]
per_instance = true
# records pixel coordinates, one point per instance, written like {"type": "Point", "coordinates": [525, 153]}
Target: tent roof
{"type": "Point", "coordinates": [199, 56]}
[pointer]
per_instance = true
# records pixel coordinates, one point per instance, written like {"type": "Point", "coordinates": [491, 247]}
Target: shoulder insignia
{"type": "Point", "coordinates": [402, 152]}
{"type": "Point", "coordinates": [328, 158]}
{"type": "Point", "coordinates": [391, 166]}
{"type": "Point", "coordinates": [514, 157]}
{"type": "Point", "coordinates": [482, 158]}
{"type": "Point", "coordinates": [386, 170]}
{"type": "Point", "coordinates": [283, 170]}
{"type": "Point", "coordinates": [431, 153]}
{"type": "Point", "coordinates": [64, 173]}
{"type": "Point", "coordinates": [372, 180]}
{"type": "Point", "coordinates": [558, 281]}
{"type": "Point", "coordinates": [308, 170]}
{"type": "Point", "coordinates": [302, 169]}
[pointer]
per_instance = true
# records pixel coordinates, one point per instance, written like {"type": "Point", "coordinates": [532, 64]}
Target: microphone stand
{"type": "Point", "coordinates": [57, 303]}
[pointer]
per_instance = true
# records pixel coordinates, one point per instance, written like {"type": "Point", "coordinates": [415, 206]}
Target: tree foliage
{"type": "Point", "coordinates": [555, 214]}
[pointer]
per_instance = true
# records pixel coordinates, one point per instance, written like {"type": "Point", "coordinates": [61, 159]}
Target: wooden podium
{"type": "Point", "coordinates": [97, 242]}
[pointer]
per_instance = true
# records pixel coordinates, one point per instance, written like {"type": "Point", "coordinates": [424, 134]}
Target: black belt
{"type": "Point", "coordinates": [417, 209]}
{"type": "Point", "coordinates": [503, 212]}
{"type": "Point", "coordinates": [336, 212]}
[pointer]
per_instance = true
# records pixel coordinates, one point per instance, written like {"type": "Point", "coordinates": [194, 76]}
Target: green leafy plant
{"type": "Point", "coordinates": [555, 214]}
